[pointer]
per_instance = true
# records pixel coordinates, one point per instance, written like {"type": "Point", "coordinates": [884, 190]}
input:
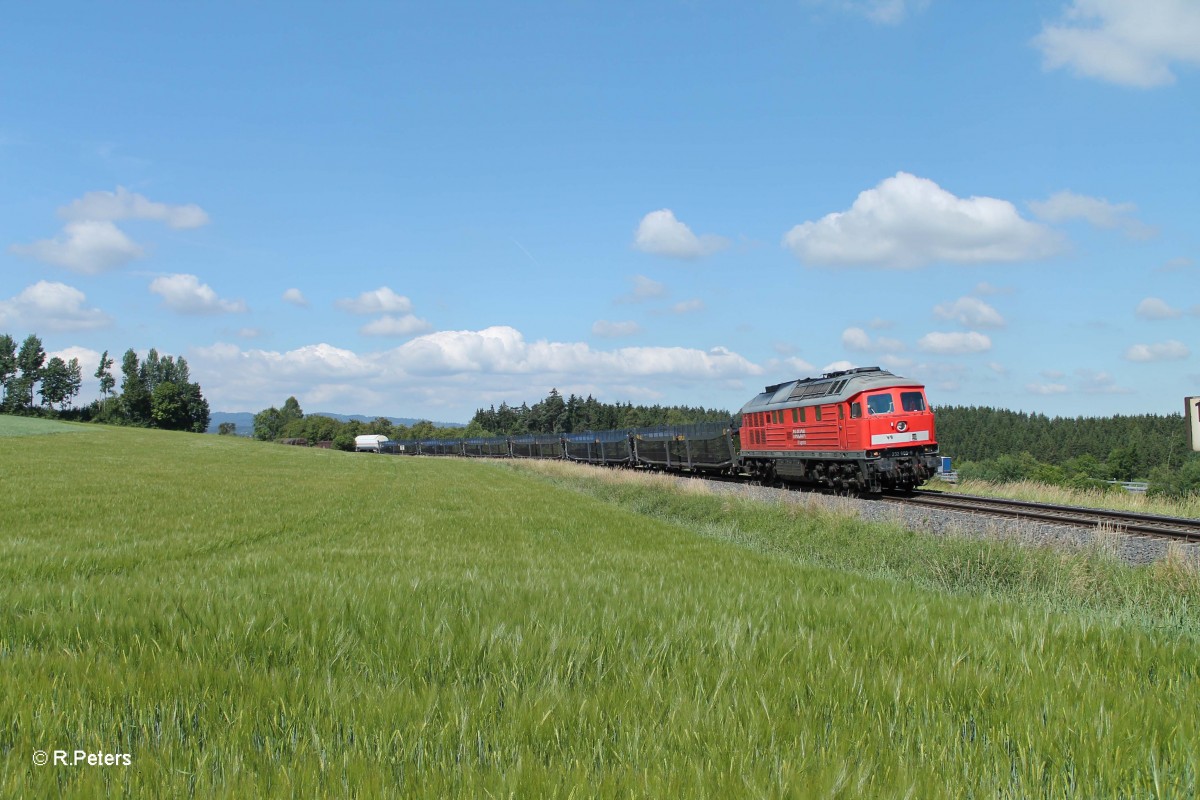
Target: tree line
{"type": "Point", "coordinates": [1001, 445]}
{"type": "Point", "coordinates": [289, 423]}
{"type": "Point", "coordinates": [553, 414]}
{"type": "Point", "coordinates": [157, 392]}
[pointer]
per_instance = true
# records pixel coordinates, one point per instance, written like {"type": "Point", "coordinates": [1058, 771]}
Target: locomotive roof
{"type": "Point", "coordinates": [832, 387]}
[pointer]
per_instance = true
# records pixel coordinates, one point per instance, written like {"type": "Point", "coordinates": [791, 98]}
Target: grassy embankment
{"type": "Point", "coordinates": [247, 619]}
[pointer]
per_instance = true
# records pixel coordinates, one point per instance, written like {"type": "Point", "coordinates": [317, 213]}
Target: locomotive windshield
{"type": "Point", "coordinates": [912, 401]}
{"type": "Point", "coordinates": [880, 404]}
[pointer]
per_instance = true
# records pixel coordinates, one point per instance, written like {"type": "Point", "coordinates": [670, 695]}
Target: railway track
{"type": "Point", "coordinates": [1179, 529]}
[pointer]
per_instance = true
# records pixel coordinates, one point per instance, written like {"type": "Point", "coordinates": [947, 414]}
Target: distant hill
{"type": "Point", "coordinates": [244, 420]}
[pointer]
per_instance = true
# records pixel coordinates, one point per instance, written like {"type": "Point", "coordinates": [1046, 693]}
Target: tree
{"type": "Point", "coordinates": [168, 407]}
{"type": "Point", "coordinates": [151, 371]}
{"type": "Point", "coordinates": [8, 362]}
{"type": "Point", "coordinates": [291, 411]}
{"type": "Point", "coordinates": [135, 397]}
{"type": "Point", "coordinates": [268, 424]}
{"type": "Point", "coordinates": [54, 382]}
{"type": "Point", "coordinates": [198, 410]}
{"type": "Point", "coordinates": [104, 375]}
{"type": "Point", "coordinates": [179, 407]}
{"type": "Point", "coordinates": [30, 361]}
{"type": "Point", "coordinates": [60, 382]}
{"type": "Point", "coordinates": [74, 378]}
{"type": "Point", "coordinates": [227, 429]}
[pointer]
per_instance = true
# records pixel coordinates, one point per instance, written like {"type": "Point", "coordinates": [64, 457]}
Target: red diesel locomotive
{"type": "Point", "coordinates": [857, 430]}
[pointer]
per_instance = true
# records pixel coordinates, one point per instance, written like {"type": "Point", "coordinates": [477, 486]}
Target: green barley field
{"type": "Point", "coordinates": [244, 619]}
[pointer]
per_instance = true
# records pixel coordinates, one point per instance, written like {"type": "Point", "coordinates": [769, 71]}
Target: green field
{"type": "Point", "coordinates": [246, 619]}
{"type": "Point", "coordinates": [34, 426]}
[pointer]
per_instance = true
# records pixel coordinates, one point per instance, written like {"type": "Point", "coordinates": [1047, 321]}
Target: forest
{"type": "Point", "coordinates": [1001, 445]}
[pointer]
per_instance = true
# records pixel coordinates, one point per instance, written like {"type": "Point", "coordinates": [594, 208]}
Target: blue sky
{"type": "Point", "coordinates": [419, 209]}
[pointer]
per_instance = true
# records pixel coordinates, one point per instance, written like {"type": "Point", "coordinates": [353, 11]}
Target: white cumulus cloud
{"type": "Point", "coordinates": [187, 295]}
{"type": "Point", "coordinates": [613, 330]}
{"type": "Point", "coordinates": [377, 301]}
{"type": "Point", "coordinates": [1092, 382]}
{"type": "Point", "coordinates": [88, 247]}
{"type": "Point", "coordinates": [858, 340]}
{"type": "Point", "coordinates": [124, 204]}
{"type": "Point", "coordinates": [1065, 206]}
{"type": "Point", "coordinates": [644, 289]}
{"type": "Point", "coordinates": [688, 306]}
{"type": "Point", "coordinates": [907, 221]}
{"type": "Point", "coordinates": [1127, 42]}
{"type": "Point", "coordinates": [295, 297]}
{"type": "Point", "coordinates": [1047, 388]}
{"type": "Point", "coordinates": [387, 325]}
{"type": "Point", "coordinates": [793, 366]}
{"type": "Point", "coordinates": [954, 343]}
{"type": "Point", "coordinates": [51, 306]}
{"type": "Point", "coordinates": [662, 234]}
{"type": "Point", "coordinates": [502, 349]}
{"type": "Point", "coordinates": [838, 366]}
{"type": "Point", "coordinates": [970, 312]}
{"type": "Point", "coordinates": [1156, 308]}
{"type": "Point", "coordinates": [1170, 350]}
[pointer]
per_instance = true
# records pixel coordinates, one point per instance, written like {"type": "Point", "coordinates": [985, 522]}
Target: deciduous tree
{"type": "Point", "coordinates": [104, 375]}
{"type": "Point", "coordinates": [30, 360]}
{"type": "Point", "coordinates": [8, 363]}
{"type": "Point", "coordinates": [135, 397]}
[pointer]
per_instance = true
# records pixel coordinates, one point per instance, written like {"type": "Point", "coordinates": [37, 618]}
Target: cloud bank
{"type": "Point", "coordinates": [907, 222]}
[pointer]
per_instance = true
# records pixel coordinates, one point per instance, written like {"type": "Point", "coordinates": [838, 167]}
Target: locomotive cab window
{"type": "Point", "coordinates": [855, 410]}
{"type": "Point", "coordinates": [880, 404]}
{"type": "Point", "coordinates": [912, 401]}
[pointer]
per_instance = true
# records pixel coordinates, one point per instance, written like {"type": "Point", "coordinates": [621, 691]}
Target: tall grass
{"type": "Point", "coordinates": [811, 528]}
{"type": "Point", "coordinates": [249, 620]}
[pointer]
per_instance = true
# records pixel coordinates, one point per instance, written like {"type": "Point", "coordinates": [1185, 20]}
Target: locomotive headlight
{"type": "Point", "coordinates": [902, 426]}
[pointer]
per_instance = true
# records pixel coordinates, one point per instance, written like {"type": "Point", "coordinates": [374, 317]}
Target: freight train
{"type": "Point", "coordinates": [854, 431]}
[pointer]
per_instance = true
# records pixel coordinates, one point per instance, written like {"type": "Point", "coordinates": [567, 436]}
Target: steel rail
{"type": "Point", "coordinates": [1176, 528]}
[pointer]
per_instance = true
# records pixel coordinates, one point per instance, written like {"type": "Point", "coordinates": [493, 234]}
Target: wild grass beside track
{"type": "Point", "coordinates": [250, 620]}
{"type": "Point", "coordinates": [1034, 492]}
